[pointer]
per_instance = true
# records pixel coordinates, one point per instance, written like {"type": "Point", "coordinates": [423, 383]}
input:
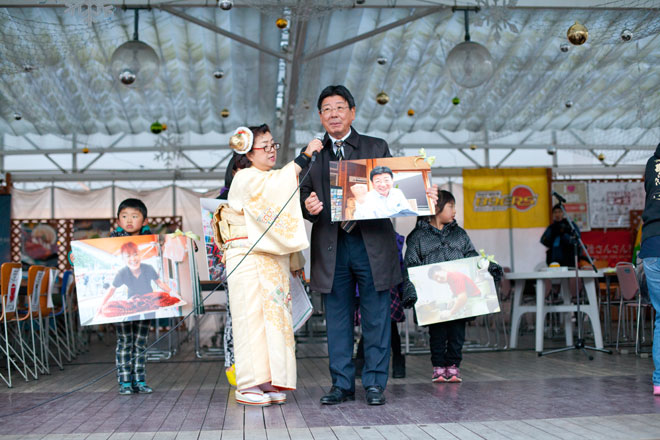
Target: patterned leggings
{"type": "Point", "coordinates": [131, 340]}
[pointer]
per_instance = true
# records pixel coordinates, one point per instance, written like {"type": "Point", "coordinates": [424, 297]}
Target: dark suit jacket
{"type": "Point", "coordinates": [378, 235]}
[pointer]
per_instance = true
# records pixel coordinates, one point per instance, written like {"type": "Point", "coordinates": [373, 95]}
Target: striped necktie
{"type": "Point", "coordinates": [338, 150]}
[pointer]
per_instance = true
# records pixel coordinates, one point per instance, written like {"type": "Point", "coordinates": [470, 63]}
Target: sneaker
{"type": "Point", "coordinates": [656, 390]}
{"type": "Point", "coordinates": [439, 374]}
{"type": "Point", "coordinates": [125, 388]}
{"type": "Point", "coordinates": [142, 388]}
{"type": "Point", "coordinates": [453, 374]}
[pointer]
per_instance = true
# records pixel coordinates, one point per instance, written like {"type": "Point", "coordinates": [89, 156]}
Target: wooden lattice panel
{"type": "Point", "coordinates": [29, 233]}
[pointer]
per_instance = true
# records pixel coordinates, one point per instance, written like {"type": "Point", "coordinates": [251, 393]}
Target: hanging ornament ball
{"type": "Point", "coordinates": [156, 127]}
{"type": "Point", "coordinates": [626, 35]}
{"type": "Point", "coordinates": [473, 147]}
{"type": "Point", "coordinates": [224, 113]}
{"type": "Point", "coordinates": [564, 47]}
{"type": "Point", "coordinates": [601, 157]}
{"type": "Point", "coordinates": [411, 112]}
{"type": "Point", "coordinates": [552, 151]}
{"type": "Point", "coordinates": [569, 104]}
{"type": "Point", "coordinates": [164, 127]}
{"type": "Point", "coordinates": [456, 100]}
{"type": "Point", "coordinates": [18, 116]}
{"type": "Point", "coordinates": [219, 73]}
{"type": "Point", "coordinates": [381, 60]}
{"type": "Point", "coordinates": [577, 34]}
{"type": "Point", "coordinates": [226, 5]}
{"type": "Point", "coordinates": [281, 23]}
{"type": "Point", "coordinates": [382, 98]}
{"type": "Point", "coordinates": [470, 64]}
{"type": "Point", "coordinates": [85, 150]}
{"type": "Point", "coordinates": [127, 77]}
{"type": "Point", "coordinates": [27, 68]}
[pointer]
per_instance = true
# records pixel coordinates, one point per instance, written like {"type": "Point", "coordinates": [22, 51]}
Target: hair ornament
{"type": "Point", "coordinates": [241, 141]}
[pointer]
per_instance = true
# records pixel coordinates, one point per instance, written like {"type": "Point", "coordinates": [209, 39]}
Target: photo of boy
{"type": "Point", "coordinates": [136, 276]}
{"type": "Point", "coordinates": [461, 286]}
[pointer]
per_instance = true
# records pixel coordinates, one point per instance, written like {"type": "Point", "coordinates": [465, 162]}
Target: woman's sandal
{"type": "Point", "coordinates": [276, 397]}
{"type": "Point", "coordinates": [252, 398]}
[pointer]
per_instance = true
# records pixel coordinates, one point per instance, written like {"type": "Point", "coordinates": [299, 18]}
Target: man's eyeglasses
{"type": "Point", "coordinates": [269, 148]}
{"type": "Point", "coordinates": [338, 109]}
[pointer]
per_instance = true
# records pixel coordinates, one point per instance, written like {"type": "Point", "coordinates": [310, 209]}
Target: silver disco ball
{"type": "Point", "coordinates": [127, 77]}
{"type": "Point", "coordinates": [470, 64]}
{"type": "Point", "coordinates": [225, 5]}
{"type": "Point", "coordinates": [135, 64]}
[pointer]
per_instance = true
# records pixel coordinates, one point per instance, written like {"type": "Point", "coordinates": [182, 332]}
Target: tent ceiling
{"type": "Point", "coordinates": [70, 100]}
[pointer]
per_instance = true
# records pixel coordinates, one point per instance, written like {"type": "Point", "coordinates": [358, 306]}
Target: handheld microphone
{"type": "Point", "coordinates": [316, 153]}
{"type": "Point", "coordinates": [560, 198]}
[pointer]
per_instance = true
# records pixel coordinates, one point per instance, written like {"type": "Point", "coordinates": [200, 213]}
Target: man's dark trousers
{"type": "Point", "coordinates": [353, 267]}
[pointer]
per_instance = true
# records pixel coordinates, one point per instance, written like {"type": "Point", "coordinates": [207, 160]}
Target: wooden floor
{"type": "Point", "coordinates": [505, 395]}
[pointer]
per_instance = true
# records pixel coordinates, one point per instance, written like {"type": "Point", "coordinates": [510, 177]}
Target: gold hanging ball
{"type": "Point", "coordinates": [224, 113]}
{"type": "Point", "coordinates": [281, 23]}
{"type": "Point", "coordinates": [601, 157]}
{"type": "Point", "coordinates": [577, 34]}
{"type": "Point", "coordinates": [85, 150]}
{"type": "Point", "coordinates": [164, 126]}
{"type": "Point", "coordinates": [473, 147]}
{"type": "Point", "coordinates": [411, 112]}
{"type": "Point", "coordinates": [382, 98]}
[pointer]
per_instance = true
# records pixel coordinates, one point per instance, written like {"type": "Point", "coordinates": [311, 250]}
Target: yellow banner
{"type": "Point", "coordinates": [506, 198]}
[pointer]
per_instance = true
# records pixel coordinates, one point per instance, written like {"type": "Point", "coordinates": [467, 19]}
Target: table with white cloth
{"type": "Point", "coordinates": [590, 306]}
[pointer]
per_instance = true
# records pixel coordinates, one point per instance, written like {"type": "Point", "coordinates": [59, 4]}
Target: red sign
{"type": "Point", "coordinates": [611, 247]}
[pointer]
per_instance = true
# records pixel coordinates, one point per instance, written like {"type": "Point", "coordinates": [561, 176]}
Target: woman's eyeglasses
{"type": "Point", "coordinates": [269, 148]}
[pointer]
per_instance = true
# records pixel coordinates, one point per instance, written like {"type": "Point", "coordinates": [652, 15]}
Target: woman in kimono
{"type": "Point", "coordinates": [258, 283]}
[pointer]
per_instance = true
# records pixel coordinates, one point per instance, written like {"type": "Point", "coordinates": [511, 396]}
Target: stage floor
{"type": "Point", "coordinates": [505, 395]}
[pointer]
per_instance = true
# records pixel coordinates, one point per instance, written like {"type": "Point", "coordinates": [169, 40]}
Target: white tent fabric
{"type": "Point", "coordinates": [69, 90]}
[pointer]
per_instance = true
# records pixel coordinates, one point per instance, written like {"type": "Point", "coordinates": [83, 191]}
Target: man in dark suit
{"type": "Point", "coordinates": [347, 254]}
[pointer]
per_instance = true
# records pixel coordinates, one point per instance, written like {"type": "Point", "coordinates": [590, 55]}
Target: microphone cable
{"type": "Point", "coordinates": [110, 371]}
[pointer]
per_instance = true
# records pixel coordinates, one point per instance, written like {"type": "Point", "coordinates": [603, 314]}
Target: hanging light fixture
{"type": "Point", "coordinates": [135, 63]}
{"type": "Point", "coordinates": [469, 63]}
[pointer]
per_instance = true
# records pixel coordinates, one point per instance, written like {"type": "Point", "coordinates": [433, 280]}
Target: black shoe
{"type": "Point", "coordinates": [398, 367]}
{"type": "Point", "coordinates": [142, 388]}
{"type": "Point", "coordinates": [125, 389]}
{"type": "Point", "coordinates": [359, 365]}
{"type": "Point", "coordinates": [337, 395]}
{"type": "Point", "coordinates": [375, 395]}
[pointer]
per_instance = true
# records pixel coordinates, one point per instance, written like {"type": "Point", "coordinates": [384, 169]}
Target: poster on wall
{"type": "Point", "coordinates": [610, 203]}
{"type": "Point", "coordinates": [577, 201]}
{"type": "Point", "coordinates": [379, 188]}
{"type": "Point", "coordinates": [39, 244]}
{"type": "Point", "coordinates": [213, 252]}
{"type": "Point", "coordinates": [608, 247]}
{"type": "Point", "coordinates": [453, 290]}
{"type": "Point", "coordinates": [506, 198]}
{"type": "Point", "coordinates": [132, 278]}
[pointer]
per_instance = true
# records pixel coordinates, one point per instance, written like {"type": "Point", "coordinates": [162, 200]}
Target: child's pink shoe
{"type": "Point", "coordinates": [438, 374]}
{"type": "Point", "coordinates": [656, 390]}
{"type": "Point", "coordinates": [453, 374]}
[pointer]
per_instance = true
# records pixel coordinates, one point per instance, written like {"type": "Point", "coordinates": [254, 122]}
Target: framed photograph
{"type": "Point", "coordinates": [453, 290]}
{"type": "Point", "coordinates": [379, 188]}
{"type": "Point", "coordinates": [132, 278]}
{"type": "Point", "coordinates": [213, 252]}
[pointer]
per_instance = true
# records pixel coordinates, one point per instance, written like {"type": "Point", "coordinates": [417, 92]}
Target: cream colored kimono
{"type": "Point", "coordinates": [259, 296]}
